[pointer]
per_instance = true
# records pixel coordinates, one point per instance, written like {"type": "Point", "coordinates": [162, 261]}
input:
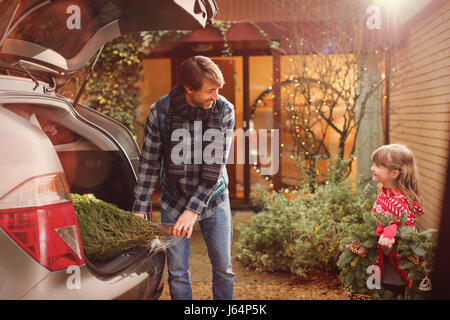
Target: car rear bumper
{"type": "Point", "coordinates": [78, 283]}
{"type": "Point", "coordinates": [21, 277]}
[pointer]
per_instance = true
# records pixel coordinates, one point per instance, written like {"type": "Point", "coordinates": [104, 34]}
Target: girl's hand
{"type": "Point", "coordinates": [386, 242]}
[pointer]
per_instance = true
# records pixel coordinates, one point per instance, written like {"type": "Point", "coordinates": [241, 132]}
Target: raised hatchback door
{"type": "Point", "coordinates": [61, 36]}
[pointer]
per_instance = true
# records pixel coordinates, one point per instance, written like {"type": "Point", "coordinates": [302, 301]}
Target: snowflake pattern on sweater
{"type": "Point", "coordinates": [394, 202]}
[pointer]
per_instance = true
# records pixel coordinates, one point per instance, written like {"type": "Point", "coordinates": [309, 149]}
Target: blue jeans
{"type": "Point", "coordinates": [217, 232]}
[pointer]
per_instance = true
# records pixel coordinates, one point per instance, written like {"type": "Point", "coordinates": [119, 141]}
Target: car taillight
{"type": "Point", "coordinates": [39, 216]}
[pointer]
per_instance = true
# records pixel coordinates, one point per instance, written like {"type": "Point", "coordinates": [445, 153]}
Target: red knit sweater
{"type": "Point", "coordinates": [394, 202]}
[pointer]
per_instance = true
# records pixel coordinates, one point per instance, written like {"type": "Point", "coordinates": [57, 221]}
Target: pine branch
{"type": "Point", "coordinates": [107, 231]}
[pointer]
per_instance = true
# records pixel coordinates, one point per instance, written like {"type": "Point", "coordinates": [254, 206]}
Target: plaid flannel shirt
{"type": "Point", "coordinates": [197, 194]}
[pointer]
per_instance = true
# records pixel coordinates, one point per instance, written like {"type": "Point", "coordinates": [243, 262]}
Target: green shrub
{"type": "Point", "coordinates": [302, 232]}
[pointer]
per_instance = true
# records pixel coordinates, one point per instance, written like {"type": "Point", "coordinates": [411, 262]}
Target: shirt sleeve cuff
{"type": "Point", "coordinates": [142, 206]}
{"type": "Point", "coordinates": [196, 205]}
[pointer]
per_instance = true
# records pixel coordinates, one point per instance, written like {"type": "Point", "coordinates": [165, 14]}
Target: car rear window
{"type": "Point", "coordinates": [53, 26]}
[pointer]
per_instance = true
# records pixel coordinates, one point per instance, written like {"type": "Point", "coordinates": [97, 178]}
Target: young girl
{"type": "Point", "coordinates": [395, 170]}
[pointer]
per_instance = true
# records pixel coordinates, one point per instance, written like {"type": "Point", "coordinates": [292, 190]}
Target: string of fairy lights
{"type": "Point", "coordinates": [296, 82]}
{"type": "Point", "coordinates": [258, 101]}
{"type": "Point", "coordinates": [329, 47]}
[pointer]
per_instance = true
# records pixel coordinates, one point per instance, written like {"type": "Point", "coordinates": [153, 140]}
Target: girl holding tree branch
{"type": "Point", "coordinates": [395, 170]}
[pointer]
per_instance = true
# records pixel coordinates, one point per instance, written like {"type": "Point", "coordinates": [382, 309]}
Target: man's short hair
{"type": "Point", "coordinates": [197, 68]}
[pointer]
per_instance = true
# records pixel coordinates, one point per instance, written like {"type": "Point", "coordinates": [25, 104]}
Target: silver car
{"type": "Point", "coordinates": [51, 147]}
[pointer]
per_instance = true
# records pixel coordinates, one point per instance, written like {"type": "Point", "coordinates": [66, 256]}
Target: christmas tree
{"type": "Point", "coordinates": [107, 231]}
{"type": "Point", "coordinates": [360, 252]}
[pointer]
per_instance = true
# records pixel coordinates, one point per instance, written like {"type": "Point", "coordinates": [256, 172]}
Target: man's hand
{"type": "Point", "coordinates": [386, 242]}
{"type": "Point", "coordinates": [140, 215]}
{"type": "Point", "coordinates": [185, 224]}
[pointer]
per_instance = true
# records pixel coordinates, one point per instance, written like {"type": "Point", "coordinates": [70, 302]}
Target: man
{"type": "Point", "coordinates": [194, 189]}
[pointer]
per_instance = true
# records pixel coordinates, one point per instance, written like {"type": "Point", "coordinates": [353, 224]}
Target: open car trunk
{"type": "Point", "coordinates": [95, 160]}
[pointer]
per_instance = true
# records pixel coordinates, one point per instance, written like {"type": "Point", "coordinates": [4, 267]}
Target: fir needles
{"type": "Point", "coordinates": [107, 231]}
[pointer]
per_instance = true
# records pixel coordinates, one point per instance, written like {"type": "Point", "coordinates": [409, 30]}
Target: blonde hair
{"type": "Point", "coordinates": [400, 157]}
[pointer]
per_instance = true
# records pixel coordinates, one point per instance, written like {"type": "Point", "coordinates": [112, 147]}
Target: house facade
{"type": "Point", "coordinates": [419, 102]}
